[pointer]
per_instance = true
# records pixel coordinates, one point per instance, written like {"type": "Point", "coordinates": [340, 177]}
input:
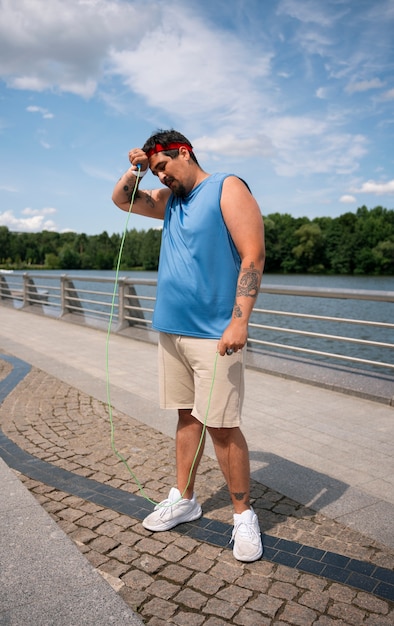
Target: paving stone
{"type": "Point", "coordinates": [114, 568]}
{"type": "Point", "coordinates": [127, 537]}
{"type": "Point", "coordinates": [150, 546]}
{"type": "Point", "coordinates": [283, 590]}
{"type": "Point", "coordinates": [316, 600]}
{"type": "Point", "coordinates": [251, 581]}
{"type": "Point", "coordinates": [160, 608]}
{"type": "Point", "coordinates": [351, 614]}
{"type": "Point", "coordinates": [225, 610]}
{"type": "Point", "coordinates": [90, 521]}
{"type": "Point", "coordinates": [196, 562]}
{"type": "Point", "coordinates": [162, 589]}
{"type": "Point", "coordinates": [205, 583]}
{"type": "Point", "coordinates": [297, 615]}
{"type": "Point", "coordinates": [265, 604]}
{"type": "Point", "coordinates": [150, 564]}
{"type": "Point", "coordinates": [188, 619]}
{"type": "Point", "coordinates": [70, 515]}
{"type": "Point", "coordinates": [238, 595]}
{"type": "Point", "coordinates": [123, 553]}
{"type": "Point", "coordinates": [251, 618]}
{"type": "Point", "coordinates": [371, 603]}
{"type": "Point", "coordinates": [380, 620]}
{"type": "Point", "coordinates": [172, 553]}
{"type": "Point", "coordinates": [177, 573]}
{"type": "Point", "coordinates": [95, 558]}
{"type": "Point", "coordinates": [190, 598]}
{"type": "Point", "coordinates": [226, 572]}
{"type": "Point", "coordinates": [66, 526]}
{"type": "Point", "coordinates": [137, 579]}
{"type": "Point", "coordinates": [103, 544]}
{"type": "Point", "coordinates": [341, 593]}
{"type": "Point", "coordinates": [84, 535]}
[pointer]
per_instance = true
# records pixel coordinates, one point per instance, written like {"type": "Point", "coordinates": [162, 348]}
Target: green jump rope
{"type": "Point", "coordinates": [109, 403]}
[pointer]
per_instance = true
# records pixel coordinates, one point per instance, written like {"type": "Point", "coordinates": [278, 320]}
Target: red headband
{"type": "Point", "coordinates": [170, 146]}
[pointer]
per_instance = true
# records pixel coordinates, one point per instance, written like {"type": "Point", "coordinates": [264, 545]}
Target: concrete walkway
{"type": "Point", "coordinates": [44, 578]}
{"type": "Point", "coordinates": [330, 452]}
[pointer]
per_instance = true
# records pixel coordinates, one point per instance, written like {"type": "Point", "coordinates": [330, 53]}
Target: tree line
{"type": "Point", "coordinates": [353, 243]}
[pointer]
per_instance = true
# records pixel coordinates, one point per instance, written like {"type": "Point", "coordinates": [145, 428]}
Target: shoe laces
{"type": "Point", "coordinates": [246, 530]}
{"type": "Point", "coordinates": [166, 506]}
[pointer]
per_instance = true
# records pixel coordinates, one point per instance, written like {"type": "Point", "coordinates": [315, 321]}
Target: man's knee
{"type": "Point", "coordinates": [185, 418]}
{"type": "Point", "coordinates": [223, 435]}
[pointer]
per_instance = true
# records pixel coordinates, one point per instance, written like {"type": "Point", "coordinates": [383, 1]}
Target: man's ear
{"type": "Point", "coordinates": [185, 153]}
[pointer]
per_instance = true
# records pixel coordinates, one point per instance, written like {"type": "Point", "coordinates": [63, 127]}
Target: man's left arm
{"type": "Point", "coordinates": [244, 221]}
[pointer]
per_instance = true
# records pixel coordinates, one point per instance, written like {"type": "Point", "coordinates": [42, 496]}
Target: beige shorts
{"type": "Point", "coordinates": [193, 375]}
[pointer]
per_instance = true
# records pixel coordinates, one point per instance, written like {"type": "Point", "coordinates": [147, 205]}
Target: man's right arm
{"type": "Point", "coordinates": [151, 203]}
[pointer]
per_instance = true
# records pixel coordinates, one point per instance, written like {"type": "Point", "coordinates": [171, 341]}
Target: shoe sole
{"type": "Point", "coordinates": [169, 525]}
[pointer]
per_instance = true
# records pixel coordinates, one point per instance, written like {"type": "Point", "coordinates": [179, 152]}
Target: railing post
{"type": "Point", "coordinates": [5, 292]}
{"type": "Point", "coordinates": [121, 304]}
{"type": "Point", "coordinates": [31, 297]}
{"type": "Point", "coordinates": [125, 291]}
{"type": "Point", "coordinates": [70, 303]}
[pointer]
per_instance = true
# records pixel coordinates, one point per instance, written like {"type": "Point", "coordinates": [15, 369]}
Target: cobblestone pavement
{"type": "Point", "coordinates": [169, 578]}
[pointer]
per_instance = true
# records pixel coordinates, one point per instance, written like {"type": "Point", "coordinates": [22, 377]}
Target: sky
{"type": "Point", "coordinates": [294, 96]}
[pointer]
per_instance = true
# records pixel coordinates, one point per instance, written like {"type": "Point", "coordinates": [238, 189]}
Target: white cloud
{"type": "Point", "coordinates": [223, 72]}
{"type": "Point", "coordinates": [64, 45]}
{"type": "Point", "coordinates": [388, 95]}
{"type": "Point", "coordinates": [364, 85]}
{"type": "Point", "coordinates": [321, 93]}
{"type": "Point", "coordinates": [307, 145]}
{"type": "Point", "coordinates": [308, 12]}
{"type": "Point", "coordinates": [35, 223]}
{"type": "Point", "coordinates": [45, 211]}
{"type": "Point", "coordinates": [96, 172]}
{"type": "Point", "coordinates": [8, 188]}
{"type": "Point", "coordinates": [44, 112]}
{"type": "Point", "coordinates": [377, 188]}
{"type": "Point", "coordinates": [347, 199]}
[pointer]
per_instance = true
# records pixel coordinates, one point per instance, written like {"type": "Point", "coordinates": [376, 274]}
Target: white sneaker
{"type": "Point", "coordinates": [247, 537]}
{"type": "Point", "coordinates": [172, 511]}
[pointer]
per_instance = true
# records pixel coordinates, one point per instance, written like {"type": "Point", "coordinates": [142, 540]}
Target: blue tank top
{"type": "Point", "coordinates": [198, 267]}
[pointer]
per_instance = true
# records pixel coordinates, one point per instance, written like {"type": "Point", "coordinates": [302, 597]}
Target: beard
{"type": "Point", "coordinates": [179, 191]}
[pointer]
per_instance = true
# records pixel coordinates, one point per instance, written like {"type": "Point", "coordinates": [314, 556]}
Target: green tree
{"type": "Point", "coordinates": [132, 256]}
{"type": "Point", "coordinates": [68, 258]}
{"type": "Point", "coordinates": [151, 249]}
{"type": "Point", "coordinates": [310, 247]}
{"type": "Point", "coordinates": [5, 244]}
{"type": "Point", "coordinates": [383, 255]}
{"type": "Point", "coordinates": [281, 240]}
{"type": "Point", "coordinates": [52, 261]}
{"type": "Point", "coordinates": [340, 244]}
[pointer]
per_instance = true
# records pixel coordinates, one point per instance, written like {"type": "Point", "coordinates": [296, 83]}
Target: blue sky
{"type": "Point", "coordinates": [295, 96]}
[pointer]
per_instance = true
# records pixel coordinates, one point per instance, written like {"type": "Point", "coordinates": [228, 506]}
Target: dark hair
{"type": "Point", "coordinates": [165, 137]}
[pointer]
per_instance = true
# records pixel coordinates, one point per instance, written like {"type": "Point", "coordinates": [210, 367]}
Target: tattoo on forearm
{"type": "Point", "coordinates": [129, 194]}
{"type": "Point", "coordinates": [237, 310]}
{"type": "Point", "coordinates": [147, 195]}
{"type": "Point", "coordinates": [249, 282]}
{"type": "Point", "coordinates": [149, 200]}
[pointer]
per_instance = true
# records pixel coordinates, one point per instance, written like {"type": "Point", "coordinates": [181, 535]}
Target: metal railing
{"type": "Point", "coordinates": [97, 301]}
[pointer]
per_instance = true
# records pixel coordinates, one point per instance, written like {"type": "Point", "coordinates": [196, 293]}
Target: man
{"type": "Point", "coordinates": [210, 268]}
